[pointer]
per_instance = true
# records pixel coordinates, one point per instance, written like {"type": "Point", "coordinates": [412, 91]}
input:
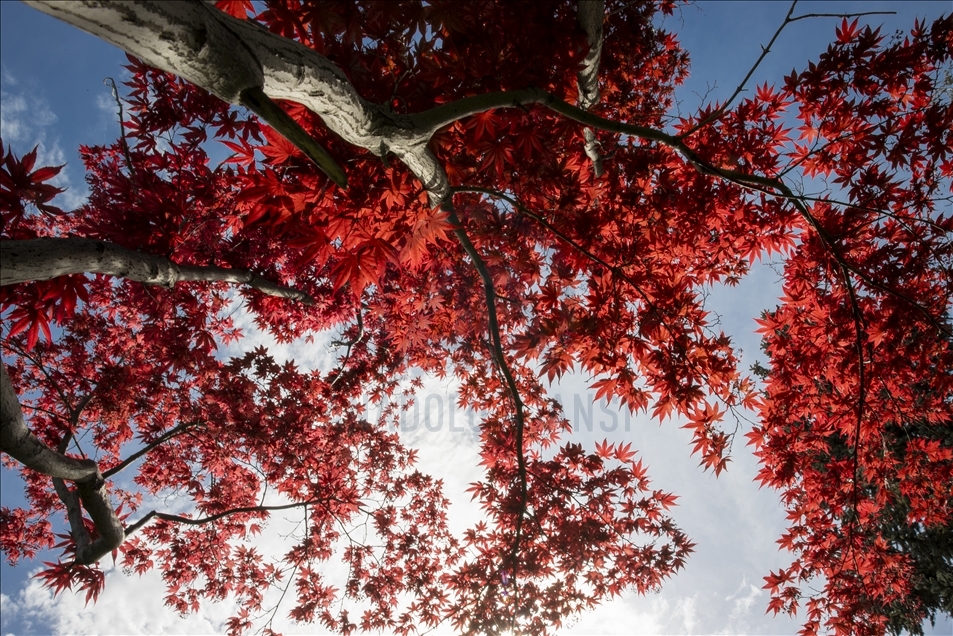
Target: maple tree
{"type": "Point", "coordinates": [426, 186]}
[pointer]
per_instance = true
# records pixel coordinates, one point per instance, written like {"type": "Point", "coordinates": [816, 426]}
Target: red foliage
{"type": "Point", "coordinates": [853, 367]}
{"type": "Point", "coordinates": [605, 276]}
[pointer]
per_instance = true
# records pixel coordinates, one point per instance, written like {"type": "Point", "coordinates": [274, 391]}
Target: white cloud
{"type": "Point", "coordinates": [131, 606]}
{"type": "Point", "coordinates": [745, 604]}
{"type": "Point", "coordinates": [11, 128]}
{"type": "Point", "coordinates": [318, 354]}
{"type": "Point", "coordinates": [24, 117]}
{"type": "Point", "coordinates": [621, 616]}
{"type": "Point", "coordinates": [687, 611]}
{"type": "Point", "coordinates": [6, 77]}
{"type": "Point", "coordinates": [26, 120]}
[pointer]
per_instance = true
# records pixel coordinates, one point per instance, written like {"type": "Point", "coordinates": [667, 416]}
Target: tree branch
{"type": "Point", "coordinates": [207, 47]}
{"type": "Point", "coordinates": [12, 346]}
{"type": "Point", "coordinates": [591, 13]}
{"type": "Point", "coordinates": [200, 44]}
{"type": "Point", "coordinates": [74, 513]}
{"type": "Point", "coordinates": [255, 100]}
{"type": "Point", "coordinates": [122, 126]}
{"type": "Point", "coordinates": [436, 118]}
{"type": "Point", "coordinates": [175, 432]}
{"type": "Point", "coordinates": [841, 15]}
{"type": "Point", "coordinates": [499, 356]}
{"type": "Point", "coordinates": [96, 502]}
{"type": "Point", "coordinates": [46, 258]}
{"type": "Point", "coordinates": [350, 343]}
{"type": "Point", "coordinates": [132, 528]}
{"type": "Point", "coordinates": [22, 445]}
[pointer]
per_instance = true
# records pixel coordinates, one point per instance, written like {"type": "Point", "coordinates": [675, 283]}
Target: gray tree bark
{"type": "Point", "coordinates": [46, 258]}
{"type": "Point", "coordinates": [591, 14]}
{"type": "Point", "coordinates": [227, 56]}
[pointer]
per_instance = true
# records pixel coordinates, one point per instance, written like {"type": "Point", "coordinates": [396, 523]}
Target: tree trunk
{"type": "Point", "coordinates": [207, 47]}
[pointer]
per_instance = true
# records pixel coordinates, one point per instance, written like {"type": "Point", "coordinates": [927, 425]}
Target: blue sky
{"type": "Point", "coordinates": [53, 94]}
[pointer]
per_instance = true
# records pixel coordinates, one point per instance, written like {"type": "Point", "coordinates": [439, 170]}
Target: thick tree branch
{"type": "Point", "coordinates": [591, 14]}
{"type": "Point", "coordinates": [22, 445]}
{"type": "Point", "coordinates": [70, 499]}
{"type": "Point", "coordinates": [197, 42]}
{"type": "Point", "coordinates": [96, 502]}
{"type": "Point", "coordinates": [241, 62]}
{"type": "Point", "coordinates": [280, 68]}
{"type": "Point", "coordinates": [74, 514]}
{"type": "Point", "coordinates": [185, 38]}
{"type": "Point", "coordinates": [46, 258]}
{"type": "Point", "coordinates": [436, 118]}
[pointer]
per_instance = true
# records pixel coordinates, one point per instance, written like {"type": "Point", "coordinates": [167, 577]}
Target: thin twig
{"type": "Point", "coordinates": [284, 590]}
{"type": "Point", "coordinates": [764, 52]}
{"type": "Point", "coordinates": [841, 15]}
{"type": "Point", "coordinates": [175, 432]}
{"type": "Point", "coordinates": [350, 344]}
{"type": "Point", "coordinates": [122, 126]}
{"type": "Point", "coordinates": [203, 520]}
{"type": "Point", "coordinates": [724, 107]}
{"type": "Point", "coordinates": [56, 385]}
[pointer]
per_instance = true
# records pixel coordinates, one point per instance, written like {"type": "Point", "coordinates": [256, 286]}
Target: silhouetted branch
{"type": "Point", "coordinates": [203, 520]}
{"type": "Point", "coordinates": [122, 128]}
{"type": "Point", "coordinates": [494, 328]}
{"type": "Point", "coordinates": [175, 432]}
